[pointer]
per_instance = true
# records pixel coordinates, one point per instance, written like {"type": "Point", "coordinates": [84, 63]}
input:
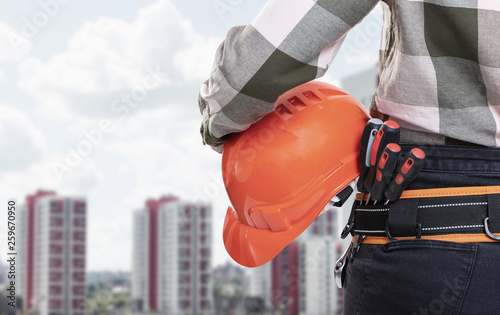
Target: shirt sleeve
{"type": "Point", "coordinates": [289, 43]}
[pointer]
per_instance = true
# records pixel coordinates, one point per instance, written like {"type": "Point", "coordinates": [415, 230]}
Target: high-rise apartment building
{"type": "Point", "coordinates": [171, 271]}
{"type": "Point", "coordinates": [285, 280]}
{"type": "Point", "coordinates": [52, 249]}
{"type": "Point", "coordinates": [318, 292]}
{"type": "Point", "coordinates": [301, 279]}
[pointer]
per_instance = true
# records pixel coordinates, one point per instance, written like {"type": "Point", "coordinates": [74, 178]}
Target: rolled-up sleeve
{"type": "Point", "coordinates": [289, 43]}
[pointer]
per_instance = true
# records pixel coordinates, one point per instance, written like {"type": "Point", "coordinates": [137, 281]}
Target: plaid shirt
{"type": "Point", "coordinates": [439, 66]}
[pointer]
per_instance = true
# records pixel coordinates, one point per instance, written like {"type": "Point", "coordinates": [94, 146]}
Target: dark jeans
{"type": "Point", "coordinates": [427, 276]}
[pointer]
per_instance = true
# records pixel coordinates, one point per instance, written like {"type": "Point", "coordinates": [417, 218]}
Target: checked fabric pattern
{"type": "Point", "coordinates": [439, 65]}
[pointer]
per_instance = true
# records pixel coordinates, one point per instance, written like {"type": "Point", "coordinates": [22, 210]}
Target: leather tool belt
{"type": "Point", "coordinates": [463, 214]}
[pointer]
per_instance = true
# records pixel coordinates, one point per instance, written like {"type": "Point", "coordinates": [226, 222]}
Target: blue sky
{"type": "Point", "coordinates": [98, 99]}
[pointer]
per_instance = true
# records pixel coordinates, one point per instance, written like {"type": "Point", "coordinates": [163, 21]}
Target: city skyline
{"type": "Point", "coordinates": [100, 100]}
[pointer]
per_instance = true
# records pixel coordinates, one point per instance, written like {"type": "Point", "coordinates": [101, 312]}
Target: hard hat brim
{"type": "Point", "coordinates": [253, 247]}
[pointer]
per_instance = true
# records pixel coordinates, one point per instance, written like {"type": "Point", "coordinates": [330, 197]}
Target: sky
{"type": "Point", "coordinates": [98, 99]}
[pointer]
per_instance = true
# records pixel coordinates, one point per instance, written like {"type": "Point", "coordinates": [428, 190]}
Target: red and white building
{"type": "Point", "coordinates": [171, 268]}
{"type": "Point", "coordinates": [301, 279]}
{"type": "Point", "coordinates": [52, 249]}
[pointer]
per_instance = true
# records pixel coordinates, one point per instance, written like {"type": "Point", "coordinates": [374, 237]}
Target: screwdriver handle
{"type": "Point", "coordinates": [385, 170]}
{"type": "Point", "coordinates": [388, 133]}
{"type": "Point", "coordinates": [369, 133]}
{"type": "Point", "coordinates": [407, 172]}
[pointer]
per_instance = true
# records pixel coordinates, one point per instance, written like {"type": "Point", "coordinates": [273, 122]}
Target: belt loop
{"type": "Point", "coordinates": [492, 221]}
{"type": "Point", "coordinates": [402, 220]}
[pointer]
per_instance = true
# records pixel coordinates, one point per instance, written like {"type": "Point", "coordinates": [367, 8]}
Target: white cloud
{"type": "Point", "coordinates": [13, 45]}
{"type": "Point", "coordinates": [21, 142]}
{"type": "Point", "coordinates": [110, 57]}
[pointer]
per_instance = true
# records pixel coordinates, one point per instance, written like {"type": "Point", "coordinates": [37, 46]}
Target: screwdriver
{"type": "Point", "coordinates": [369, 133]}
{"type": "Point", "coordinates": [385, 170]}
{"type": "Point", "coordinates": [388, 133]}
{"type": "Point", "coordinates": [407, 172]}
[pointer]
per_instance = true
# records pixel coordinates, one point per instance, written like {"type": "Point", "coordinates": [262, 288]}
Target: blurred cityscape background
{"type": "Point", "coordinates": [171, 260]}
{"type": "Point", "coordinates": [119, 206]}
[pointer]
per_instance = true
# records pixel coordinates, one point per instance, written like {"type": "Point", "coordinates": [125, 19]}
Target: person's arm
{"type": "Point", "coordinates": [289, 43]}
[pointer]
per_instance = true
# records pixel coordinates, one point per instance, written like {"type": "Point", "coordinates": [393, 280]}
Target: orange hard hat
{"type": "Point", "coordinates": [281, 172]}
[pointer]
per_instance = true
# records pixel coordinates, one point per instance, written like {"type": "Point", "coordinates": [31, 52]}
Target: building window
{"type": "Point", "coordinates": [203, 212]}
{"type": "Point", "coordinates": [202, 226]}
{"type": "Point", "coordinates": [55, 276]}
{"type": "Point", "coordinates": [79, 222]}
{"type": "Point", "coordinates": [79, 263]}
{"type": "Point", "coordinates": [203, 239]}
{"type": "Point", "coordinates": [55, 289]}
{"type": "Point", "coordinates": [316, 229]}
{"type": "Point", "coordinates": [185, 252]}
{"type": "Point", "coordinates": [55, 304]}
{"type": "Point", "coordinates": [56, 249]}
{"type": "Point", "coordinates": [185, 265]}
{"type": "Point", "coordinates": [204, 252]}
{"type": "Point", "coordinates": [203, 265]}
{"type": "Point", "coordinates": [184, 292]}
{"type": "Point", "coordinates": [79, 207]}
{"type": "Point", "coordinates": [186, 278]}
{"type": "Point", "coordinates": [78, 303]}
{"type": "Point", "coordinates": [187, 212]}
{"type": "Point", "coordinates": [56, 207]}
{"type": "Point", "coordinates": [78, 249]}
{"type": "Point", "coordinates": [56, 235]}
{"type": "Point", "coordinates": [56, 221]}
{"type": "Point", "coordinates": [55, 262]}
{"type": "Point", "coordinates": [204, 304]}
{"type": "Point", "coordinates": [79, 290]}
{"type": "Point", "coordinates": [78, 276]}
{"type": "Point", "coordinates": [79, 236]}
{"type": "Point", "coordinates": [203, 292]}
{"type": "Point", "coordinates": [204, 278]}
{"type": "Point", "coordinates": [185, 304]}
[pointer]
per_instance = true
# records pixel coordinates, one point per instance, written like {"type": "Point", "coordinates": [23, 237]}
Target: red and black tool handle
{"type": "Point", "coordinates": [409, 169]}
{"type": "Point", "coordinates": [385, 170]}
{"type": "Point", "coordinates": [388, 133]}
